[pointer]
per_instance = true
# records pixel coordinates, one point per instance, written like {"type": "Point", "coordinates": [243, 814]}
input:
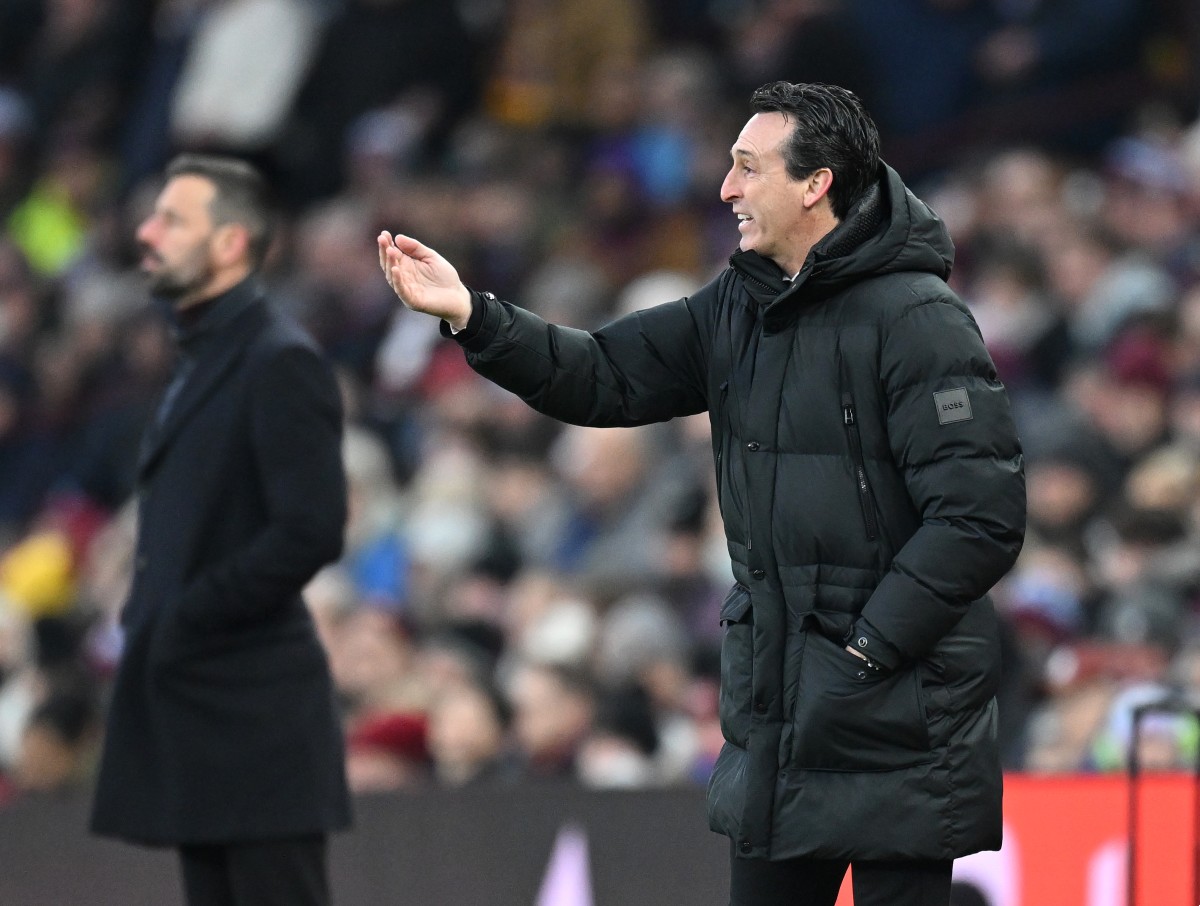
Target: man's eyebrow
{"type": "Point", "coordinates": [735, 151]}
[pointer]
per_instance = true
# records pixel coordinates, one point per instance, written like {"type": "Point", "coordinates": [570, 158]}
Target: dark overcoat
{"type": "Point", "coordinates": [222, 724]}
{"type": "Point", "coordinates": [872, 489]}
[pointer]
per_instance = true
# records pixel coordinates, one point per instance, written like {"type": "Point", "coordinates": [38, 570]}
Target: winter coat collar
{"type": "Point", "coordinates": [888, 230]}
{"type": "Point", "coordinates": [192, 324]}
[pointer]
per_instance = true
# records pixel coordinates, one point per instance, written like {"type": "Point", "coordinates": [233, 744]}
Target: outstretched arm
{"type": "Point", "coordinates": [424, 280]}
{"type": "Point", "coordinates": [644, 367]}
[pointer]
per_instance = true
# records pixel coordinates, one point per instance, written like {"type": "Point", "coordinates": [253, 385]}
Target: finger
{"type": "Point", "coordinates": [411, 247]}
{"type": "Point", "coordinates": [395, 270]}
{"type": "Point", "coordinates": [384, 241]}
{"type": "Point", "coordinates": [391, 269]}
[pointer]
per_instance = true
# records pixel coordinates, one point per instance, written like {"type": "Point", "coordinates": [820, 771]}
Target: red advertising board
{"type": "Point", "coordinates": [1065, 843]}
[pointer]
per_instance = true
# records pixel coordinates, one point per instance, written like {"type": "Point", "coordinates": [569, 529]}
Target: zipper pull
{"type": "Point", "coordinates": [848, 414]}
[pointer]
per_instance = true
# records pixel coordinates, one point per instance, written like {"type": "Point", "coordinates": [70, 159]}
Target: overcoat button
{"type": "Point", "coordinates": [752, 446]}
{"type": "Point", "coordinates": [758, 573]}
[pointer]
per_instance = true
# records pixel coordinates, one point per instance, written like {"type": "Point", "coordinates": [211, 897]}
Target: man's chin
{"type": "Point", "coordinates": [164, 289]}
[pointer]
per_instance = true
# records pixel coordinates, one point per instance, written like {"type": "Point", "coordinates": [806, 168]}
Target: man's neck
{"type": "Point", "coordinates": [219, 285]}
{"type": "Point", "coordinates": [820, 228]}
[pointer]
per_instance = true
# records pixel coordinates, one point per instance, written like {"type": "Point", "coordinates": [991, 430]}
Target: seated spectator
{"type": "Point", "coordinates": [1103, 282]}
{"type": "Point", "coordinates": [1083, 680]}
{"type": "Point", "coordinates": [371, 55]}
{"type": "Point", "coordinates": [235, 90]}
{"type": "Point", "coordinates": [1145, 601]}
{"type": "Point", "coordinates": [59, 744]}
{"type": "Point", "coordinates": [387, 752]}
{"type": "Point", "coordinates": [619, 751]}
{"type": "Point", "coordinates": [1167, 741]}
{"type": "Point", "coordinates": [643, 651]}
{"type": "Point", "coordinates": [1068, 480]}
{"type": "Point", "coordinates": [553, 708]}
{"type": "Point", "coordinates": [468, 736]}
{"type": "Point", "coordinates": [376, 557]}
{"type": "Point", "coordinates": [372, 656]}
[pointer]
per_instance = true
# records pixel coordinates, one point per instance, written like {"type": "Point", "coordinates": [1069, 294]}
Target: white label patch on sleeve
{"type": "Point", "coordinates": [952, 406]}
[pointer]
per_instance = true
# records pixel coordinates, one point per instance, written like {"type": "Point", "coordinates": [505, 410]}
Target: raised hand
{"type": "Point", "coordinates": [423, 280]}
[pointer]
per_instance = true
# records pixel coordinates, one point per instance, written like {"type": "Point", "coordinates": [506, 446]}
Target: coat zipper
{"type": "Point", "coordinates": [865, 499]}
{"type": "Point", "coordinates": [724, 428]}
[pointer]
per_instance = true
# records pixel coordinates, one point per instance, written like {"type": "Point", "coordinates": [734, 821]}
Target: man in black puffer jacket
{"type": "Point", "coordinates": [872, 489]}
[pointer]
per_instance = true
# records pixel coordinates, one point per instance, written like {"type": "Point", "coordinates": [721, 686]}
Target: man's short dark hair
{"type": "Point", "coordinates": [831, 128]}
{"type": "Point", "coordinates": [242, 196]}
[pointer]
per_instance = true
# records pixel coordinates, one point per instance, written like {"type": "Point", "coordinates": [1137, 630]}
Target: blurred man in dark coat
{"type": "Point", "coordinates": [223, 739]}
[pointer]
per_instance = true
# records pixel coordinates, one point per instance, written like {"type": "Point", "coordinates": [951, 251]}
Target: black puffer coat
{"type": "Point", "coordinates": [872, 489]}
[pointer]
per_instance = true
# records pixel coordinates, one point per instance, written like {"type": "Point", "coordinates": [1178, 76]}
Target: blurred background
{"type": "Point", "coordinates": [522, 602]}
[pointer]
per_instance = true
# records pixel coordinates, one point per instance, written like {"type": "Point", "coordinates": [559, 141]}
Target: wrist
{"type": "Point", "coordinates": [870, 664]}
{"type": "Point", "coordinates": [459, 322]}
{"type": "Point", "coordinates": [864, 640]}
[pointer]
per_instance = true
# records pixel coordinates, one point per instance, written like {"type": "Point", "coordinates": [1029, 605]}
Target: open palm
{"type": "Point", "coordinates": [423, 280]}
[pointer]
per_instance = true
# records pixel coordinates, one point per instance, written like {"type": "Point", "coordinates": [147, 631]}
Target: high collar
{"type": "Point", "coordinates": [887, 230]}
{"type": "Point", "coordinates": [196, 321]}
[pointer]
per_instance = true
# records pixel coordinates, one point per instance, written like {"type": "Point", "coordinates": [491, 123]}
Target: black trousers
{"type": "Point", "coordinates": [287, 872]}
{"type": "Point", "coordinates": [815, 882]}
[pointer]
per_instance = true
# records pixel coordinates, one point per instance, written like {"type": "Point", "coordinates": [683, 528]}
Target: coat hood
{"type": "Point", "coordinates": [888, 230]}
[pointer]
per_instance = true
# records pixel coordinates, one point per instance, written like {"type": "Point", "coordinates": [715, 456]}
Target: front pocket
{"type": "Point", "coordinates": [737, 665]}
{"type": "Point", "coordinates": [849, 718]}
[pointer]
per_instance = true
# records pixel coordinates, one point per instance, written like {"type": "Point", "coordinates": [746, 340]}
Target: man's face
{"type": "Point", "coordinates": [769, 203]}
{"type": "Point", "coordinates": [177, 240]}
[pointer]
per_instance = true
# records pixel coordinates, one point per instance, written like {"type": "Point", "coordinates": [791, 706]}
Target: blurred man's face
{"type": "Point", "coordinates": [769, 204]}
{"type": "Point", "coordinates": [464, 732]}
{"type": "Point", "coordinates": [177, 241]}
{"type": "Point", "coordinates": [550, 719]}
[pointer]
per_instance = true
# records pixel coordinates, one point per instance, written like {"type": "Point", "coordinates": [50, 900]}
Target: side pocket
{"type": "Point", "coordinates": [849, 718]}
{"type": "Point", "coordinates": [737, 665]}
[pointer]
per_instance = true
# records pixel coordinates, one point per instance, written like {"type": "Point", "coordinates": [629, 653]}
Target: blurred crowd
{"type": "Point", "coordinates": [521, 600]}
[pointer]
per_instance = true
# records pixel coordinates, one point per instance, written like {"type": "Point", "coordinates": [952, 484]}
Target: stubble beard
{"type": "Point", "coordinates": [178, 281]}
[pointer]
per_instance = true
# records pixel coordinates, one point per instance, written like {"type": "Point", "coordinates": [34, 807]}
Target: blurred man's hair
{"type": "Point", "coordinates": [242, 196]}
{"type": "Point", "coordinates": [831, 128]}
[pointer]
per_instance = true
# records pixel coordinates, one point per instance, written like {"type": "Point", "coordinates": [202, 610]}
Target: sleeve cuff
{"type": "Point", "coordinates": [468, 333]}
{"type": "Point", "coordinates": [864, 638]}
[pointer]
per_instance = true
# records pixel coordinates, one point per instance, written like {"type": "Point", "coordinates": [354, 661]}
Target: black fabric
{"type": "Point", "coordinates": [222, 724]}
{"type": "Point", "coordinates": [816, 882]}
{"type": "Point", "coordinates": [288, 872]}
{"type": "Point", "coordinates": [847, 502]}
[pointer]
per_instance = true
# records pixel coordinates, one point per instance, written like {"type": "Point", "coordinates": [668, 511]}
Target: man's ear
{"type": "Point", "coordinates": [231, 244]}
{"type": "Point", "coordinates": [817, 185]}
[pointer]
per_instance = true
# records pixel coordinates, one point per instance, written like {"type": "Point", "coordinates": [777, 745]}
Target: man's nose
{"type": "Point", "coordinates": [145, 231]}
{"type": "Point", "coordinates": [728, 189]}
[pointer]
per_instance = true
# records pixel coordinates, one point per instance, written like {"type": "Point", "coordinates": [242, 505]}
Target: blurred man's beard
{"type": "Point", "coordinates": [180, 280]}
